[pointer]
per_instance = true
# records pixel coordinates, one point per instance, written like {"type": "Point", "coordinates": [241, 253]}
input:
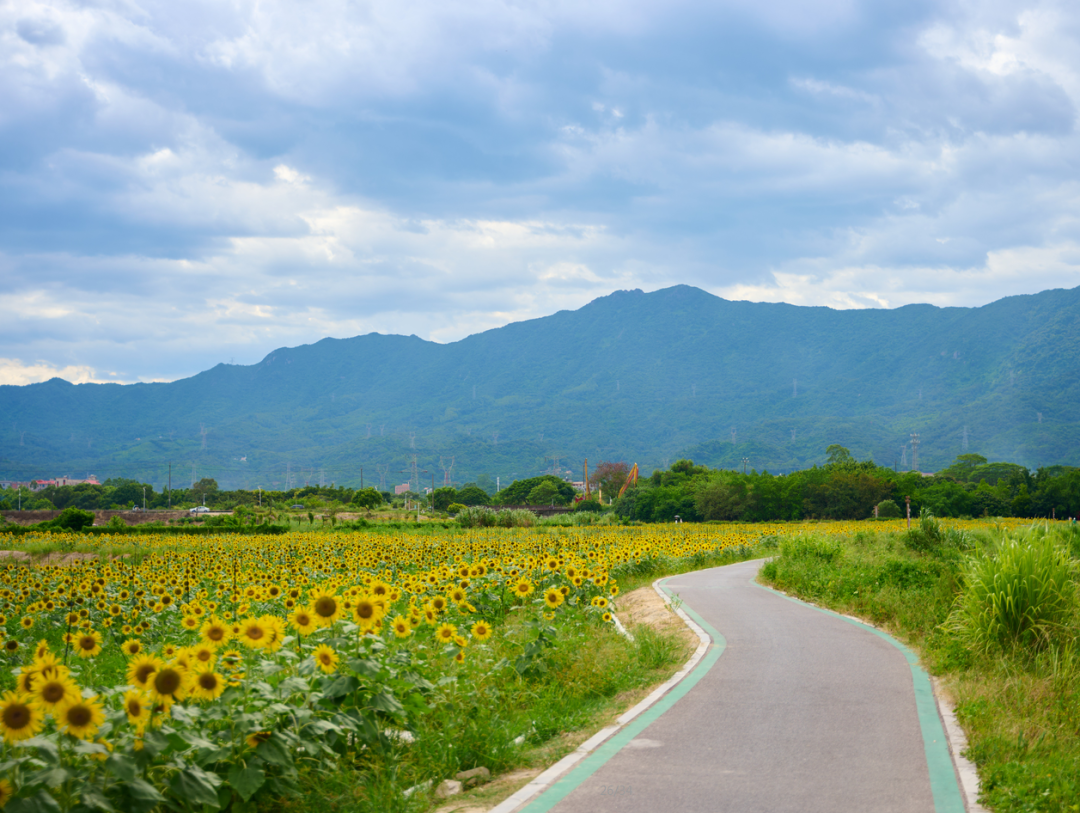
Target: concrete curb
{"type": "Point", "coordinates": [552, 774]}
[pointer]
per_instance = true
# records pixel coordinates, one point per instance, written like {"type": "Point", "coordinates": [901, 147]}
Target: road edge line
{"type": "Point", "coordinates": [548, 778]}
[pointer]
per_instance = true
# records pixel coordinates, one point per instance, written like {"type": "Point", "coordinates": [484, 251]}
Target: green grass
{"type": "Point", "coordinates": [1017, 696]}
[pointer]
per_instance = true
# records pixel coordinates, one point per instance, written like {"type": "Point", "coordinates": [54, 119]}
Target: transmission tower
{"type": "Point", "coordinates": [412, 440]}
{"type": "Point", "coordinates": [903, 455]}
{"type": "Point", "coordinates": [914, 451]}
{"type": "Point", "coordinates": [446, 470]}
{"type": "Point", "coordinates": [383, 471]}
{"type": "Point", "coordinates": [554, 465]}
{"type": "Point", "coordinates": [734, 436]}
{"type": "Point", "coordinates": [414, 475]}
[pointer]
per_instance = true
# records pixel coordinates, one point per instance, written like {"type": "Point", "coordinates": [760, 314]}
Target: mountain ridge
{"type": "Point", "coordinates": [631, 375]}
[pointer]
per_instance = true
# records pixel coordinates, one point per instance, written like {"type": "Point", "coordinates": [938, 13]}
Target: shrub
{"type": "Point", "coordinates": [455, 508]}
{"type": "Point", "coordinates": [811, 547]}
{"type": "Point", "coordinates": [1021, 596]}
{"type": "Point", "coordinates": [887, 509]}
{"type": "Point", "coordinates": [592, 504]}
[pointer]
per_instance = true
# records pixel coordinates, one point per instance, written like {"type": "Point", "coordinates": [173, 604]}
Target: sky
{"type": "Point", "coordinates": [189, 183]}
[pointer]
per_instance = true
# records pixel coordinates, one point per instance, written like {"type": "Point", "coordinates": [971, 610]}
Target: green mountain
{"type": "Point", "coordinates": [631, 376]}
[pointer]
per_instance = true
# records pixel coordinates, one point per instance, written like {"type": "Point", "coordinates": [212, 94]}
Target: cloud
{"type": "Point", "coordinates": [14, 371]}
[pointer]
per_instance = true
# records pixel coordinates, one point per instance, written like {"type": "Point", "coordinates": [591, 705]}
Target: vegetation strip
{"type": "Point", "coordinates": [595, 753]}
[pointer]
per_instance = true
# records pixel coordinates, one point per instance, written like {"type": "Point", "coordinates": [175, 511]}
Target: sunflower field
{"type": "Point", "coordinates": [214, 673]}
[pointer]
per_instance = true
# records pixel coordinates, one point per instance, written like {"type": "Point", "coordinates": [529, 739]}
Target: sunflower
{"type": "Point", "coordinates": [326, 658]}
{"type": "Point", "coordinates": [367, 612]}
{"type": "Point", "coordinates": [523, 588]}
{"type": "Point", "coordinates": [232, 659]}
{"type": "Point", "coordinates": [606, 617]}
{"type": "Point", "coordinates": [80, 718]}
{"type": "Point", "coordinates": [481, 630]}
{"type": "Point", "coordinates": [325, 606]}
{"type": "Point", "coordinates": [275, 632]}
{"type": "Point", "coordinates": [11, 646]}
{"type": "Point", "coordinates": [137, 708]}
{"type": "Point", "coordinates": [88, 644]}
{"type": "Point", "coordinates": [52, 690]}
{"type": "Point", "coordinates": [215, 632]}
{"type": "Point", "coordinates": [207, 684]}
{"type": "Point", "coordinates": [27, 622]}
{"type": "Point", "coordinates": [459, 596]}
{"type": "Point", "coordinates": [553, 597]}
{"type": "Point", "coordinates": [445, 633]}
{"type": "Point", "coordinates": [141, 668]}
{"type": "Point", "coordinates": [614, 589]}
{"type": "Point", "coordinates": [460, 656]}
{"type": "Point", "coordinates": [599, 601]}
{"type": "Point", "coordinates": [253, 633]}
{"type": "Point", "coordinates": [6, 792]}
{"type": "Point", "coordinates": [257, 737]}
{"type": "Point", "coordinates": [190, 622]}
{"type": "Point", "coordinates": [439, 604]}
{"type": "Point", "coordinates": [303, 621]}
{"type": "Point", "coordinates": [169, 684]}
{"type": "Point", "coordinates": [42, 651]}
{"type": "Point", "coordinates": [20, 717]}
{"type": "Point", "coordinates": [132, 646]}
{"type": "Point", "coordinates": [401, 627]}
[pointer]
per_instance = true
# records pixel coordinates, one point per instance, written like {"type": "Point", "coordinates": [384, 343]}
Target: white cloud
{"type": "Point", "coordinates": [14, 371]}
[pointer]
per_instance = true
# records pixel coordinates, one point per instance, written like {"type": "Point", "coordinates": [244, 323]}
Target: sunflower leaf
{"type": "Point", "coordinates": [122, 767]}
{"type": "Point", "coordinates": [246, 781]}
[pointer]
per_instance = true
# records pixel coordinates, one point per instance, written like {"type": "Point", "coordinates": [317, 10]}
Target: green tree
{"type": "Point", "coordinates": [443, 497]}
{"type": "Point", "coordinates": [546, 493]}
{"type": "Point", "coordinates": [837, 455]}
{"type": "Point", "coordinates": [471, 494]}
{"type": "Point", "coordinates": [367, 498]}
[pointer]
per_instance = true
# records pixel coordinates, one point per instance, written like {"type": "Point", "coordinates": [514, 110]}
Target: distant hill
{"type": "Point", "coordinates": [631, 376]}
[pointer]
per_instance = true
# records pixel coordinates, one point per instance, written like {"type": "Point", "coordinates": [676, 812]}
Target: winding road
{"type": "Point", "coordinates": [793, 710]}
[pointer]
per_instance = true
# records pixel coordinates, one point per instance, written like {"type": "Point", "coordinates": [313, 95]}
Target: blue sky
{"type": "Point", "coordinates": [183, 184]}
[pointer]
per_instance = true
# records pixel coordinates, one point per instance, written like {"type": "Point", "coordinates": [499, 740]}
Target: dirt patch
{"type": "Point", "coordinates": [483, 799]}
{"type": "Point", "coordinates": [645, 607]}
{"type": "Point", "coordinates": [55, 558]}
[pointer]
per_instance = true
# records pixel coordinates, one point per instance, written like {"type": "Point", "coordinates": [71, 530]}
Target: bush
{"type": "Point", "coordinates": [589, 505]}
{"type": "Point", "coordinates": [455, 508]}
{"type": "Point", "coordinates": [477, 517]}
{"type": "Point", "coordinates": [1021, 596]}
{"type": "Point", "coordinates": [887, 509]}
{"type": "Point", "coordinates": [811, 547]}
{"type": "Point", "coordinates": [70, 519]}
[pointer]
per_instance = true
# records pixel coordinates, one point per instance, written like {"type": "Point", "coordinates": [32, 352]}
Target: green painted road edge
{"type": "Point", "coordinates": [566, 784]}
{"type": "Point", "coordinates": [944, 784]}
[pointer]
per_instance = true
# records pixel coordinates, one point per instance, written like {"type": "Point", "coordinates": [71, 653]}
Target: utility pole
{"type": "Point", "coordinates": [745, 463]}
{"type": "Point", "coordinates": [144, 498]}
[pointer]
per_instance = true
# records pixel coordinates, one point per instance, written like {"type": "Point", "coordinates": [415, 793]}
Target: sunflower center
{"type": "Point", "coordinates": [254, 633]}
{"type": "Point", "coordinates": [215, 633]}
{"type": "Point", "coordinates": [78, 716]}
{"type": "Point", "coordinates": [142, 674]}
{"type": "Point", "coordinates": [167, 681]}
{"type": "Point", "coordinates": [87, 642]}
{"type": "Point", "coordinates": [52, 692]}
{"type": "Point", "coordinates": [208, 681]}
{"type": "Point", "coordinates": [365, 609]}
{"type": "Point", "coordinates": [326, 606]}
{"type": "Point", "coordinates": [17, 716]}
{"type": "Point", "coordinates": [134, 708]}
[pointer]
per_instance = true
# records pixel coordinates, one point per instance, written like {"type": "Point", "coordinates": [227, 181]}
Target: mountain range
{"type": "Point", "coordinates": [641, 377]}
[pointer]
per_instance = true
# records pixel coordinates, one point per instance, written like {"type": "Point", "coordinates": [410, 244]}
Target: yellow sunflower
{"type": "Point", "coordinates": [325, 606]}
{"type": "Point", "coordinates": [132, 646]}
{"type": "Point", "coordinates": [137, 708]}
{"type": "Point", "coordinates": [141, 668]}
{"type": "Point", "coordinates": [445, 633]}
{"type": "Point", "coordinates": [253, 633]}
{"type": "Point", "coordinates": [481, 630]}
{"type": "Point", "coordinates": [88, 644]}
{"type": "Point", "coordinates": [215, 632]}
{"type": "Point", "coordinates": [553, 597]}
{"type": "Point", "coordinates": [523, 588]}
{"type": "Point", "coordinates": [20, 718]}
{"type": "Point", "coordinates": [207, 684]}
{"type": "Point", "coordinates": [367, 612]}
{"type": "Point", "coordinates": [169, 684]}
{"type": "Point", "coordinates": [80, 718]}
{"type": "Point", "coordinates": [326, 658]}
{"type": "Point", "coordinates": [6, 792]}
{"type": "Point", "coordinates": [401, 626]}
{"type": "Point", "coordinates": [49, 692]}
{"type": "Point", "coordinates": [303, 621]}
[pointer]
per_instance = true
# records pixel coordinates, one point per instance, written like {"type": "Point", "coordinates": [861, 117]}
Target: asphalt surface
{"type": "Point", "coordinates": [803, 713]}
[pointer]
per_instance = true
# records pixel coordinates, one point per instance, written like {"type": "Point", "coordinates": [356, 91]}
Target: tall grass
{"type": "Point", "coordinates": [1022, 595]}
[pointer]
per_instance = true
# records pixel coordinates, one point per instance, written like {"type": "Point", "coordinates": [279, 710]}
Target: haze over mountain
{"type": "Point", "coordinates": [632, 376]}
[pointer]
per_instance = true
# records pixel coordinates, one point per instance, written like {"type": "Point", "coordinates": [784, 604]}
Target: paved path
{"type": "Point", "coordinates": [803, 712]}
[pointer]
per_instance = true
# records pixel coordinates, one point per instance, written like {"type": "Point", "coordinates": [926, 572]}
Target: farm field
{"type": "Point", "coordinates": [323, 669]}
